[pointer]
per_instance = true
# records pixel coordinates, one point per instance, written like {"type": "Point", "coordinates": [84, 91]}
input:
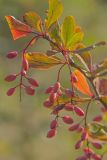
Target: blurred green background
{"type": "Point", "coordinates": [23, 126]}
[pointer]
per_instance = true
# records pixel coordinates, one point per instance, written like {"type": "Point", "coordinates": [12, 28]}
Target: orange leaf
{"type": "Point", "coordinates": [81, 83]}
{"type": "Point", "coordinates": [17, 28]}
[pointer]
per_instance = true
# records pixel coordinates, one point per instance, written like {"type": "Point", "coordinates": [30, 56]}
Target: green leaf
{"type": "Point", "coordinates": [67, 30]}
{"type": "Point", "coordinates": [54, 12]}
{"type": "Point", "coordinates": [42, 61]}
{"type": "Point", "coordinates": [33, 20]}
{"type": "Point", "coordinates": [77, 38]}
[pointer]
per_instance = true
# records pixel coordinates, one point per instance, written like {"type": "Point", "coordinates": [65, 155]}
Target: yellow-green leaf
{"type": "Point", "coordinates": [33, 20]}
{"type": "Point", "coordinates": [67, 30]}
{"type": "Point", "coordinates": [77, 38]}
{"type": "Point", "coordinates": [54, 12]}
{"type": "Point", "coordinates": [42, 61]}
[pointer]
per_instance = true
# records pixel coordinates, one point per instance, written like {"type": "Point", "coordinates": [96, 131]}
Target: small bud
{"type": "Point", "coordinates": [56, 87]}
{"type": "Point", "coordinates": [53, 124]}
{"type": "Point", "coordinates": [49, 89]}
{"type": "Point", "coordinates": [10, 77]}
{"type": "Point", "coordinates": [69, 107]}
{"type": "Point", "coordinates": [53, 97]}
{"type": "Point", "coordinates": [78, 144]}
{"type": "Point", "coordinates": [51, 133]}
{"type": "Point", "coordinates": [74, 127]}
{"type": "Point", "coordinates": [74, 78]}
{"type": "Point", "coordinates": [25, 64]}
{"type": "Point", "coordinates": [79, 111]}
{"type": "Point", "coordinates": [29, 90]}
{"type": "Point", "coordinates": [98, 118]}
{"type": "Point", "coordinates": [67, 119]}
{"type": "Point", "coordinates": [97, 145]}
{"type": "Point", "coordinates": [33, 82]}
{"type": "Point", "coordinates": [47, 103]}
{"type": "Point", "coordinates": [11, 91]}
{"type": "Point", "coordinates": [12, 54]}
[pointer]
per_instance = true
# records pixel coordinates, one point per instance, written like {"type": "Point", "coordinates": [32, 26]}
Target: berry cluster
{"type": "Point", "coordinates": [32, 83]}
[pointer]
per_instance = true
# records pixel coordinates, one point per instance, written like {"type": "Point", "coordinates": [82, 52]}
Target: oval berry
{"type": "Point", "coordinates": [51, 133]}
{"type": "Point", "coordinates": [12, 54]}
{"type": "Point", "coordinates": [49, 89]}
{"type": "Point", "coordinates": [79, 111]}
{"type": "Point", "coordinates": [67, 119]}
{"type": "Point", "coordinates": [11, 91]}
{"type": "Point", "coordinates": [33, 82]}
{"type": "Point", "coordinates": [74, 127]}
{"type": "Point", "coordinates": [10, 77]}
{"type": "Point", "coordinates": [56, 87]}
{"type": "Point", "coordinates": [53, 124]}
{"type": "Point", "coordinates": [69, 107]}
{"type": "Point", "coordinates": [97, 145]}
{"type": "Point", "coordinates": [29, 90]}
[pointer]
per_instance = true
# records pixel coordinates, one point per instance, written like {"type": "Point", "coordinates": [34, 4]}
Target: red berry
{"type": "Point", "coordinates": [51, 133]}
{"type": "Point", "coordinates": [56, 87]}
{"type": "Point", "coordinates": [74, 127]}
{"type": "Point", "coordinates": [25, 64]}
{"type": "Point", "coordinates": [11, 91]}
{"type": "Point", "coordinates": [29, 90]}
{"type": "Point", "coordinates": [69, 107]}
{"type": "Point", "coordinates": [79, 111]}
{"type": "Point", "coordinates": [33, 82]}
{"type": "Point", "coordinates": [12, 54]}
{"type": "Point", "coordinates": [49, 89]}
{"type": "Point", "coordinates": [98, 118]}
{"type": "Point", "coordinates": [59, 92]}
{"type": "Point", "coordinates": [80, 129]}
{"type": "Point", "coordinates": [78, 144]}
{"type": "Point", "coordinates": [53, 97]}
{"type": "Point", "coordinates": [97, 145]}
{"type": "Point", "coordinates": [47, 103]}
{"type": "Point", "coordinates": [84, 135]}
{"type": "Point", "coordinates": [88, 151]}
{"type": "Point", "coordinates": [96, 157]}
{"type": "Point", "coordinates": [67, 119]}
{"type": "Point", "coordinates": [10, 77]}
{"type": "Point", "coordinates": [53, 124]}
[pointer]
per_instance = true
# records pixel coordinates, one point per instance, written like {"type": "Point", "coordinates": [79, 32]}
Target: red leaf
{"type": "Point", "coordinates": [17, 28]}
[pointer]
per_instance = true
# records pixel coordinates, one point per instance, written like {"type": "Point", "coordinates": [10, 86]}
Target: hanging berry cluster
{"type": "Point", "coordinates": [87, 84]}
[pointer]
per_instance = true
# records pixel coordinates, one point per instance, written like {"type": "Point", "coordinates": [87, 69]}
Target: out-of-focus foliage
{"type": "Point", "coordinates": [23, 126]}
